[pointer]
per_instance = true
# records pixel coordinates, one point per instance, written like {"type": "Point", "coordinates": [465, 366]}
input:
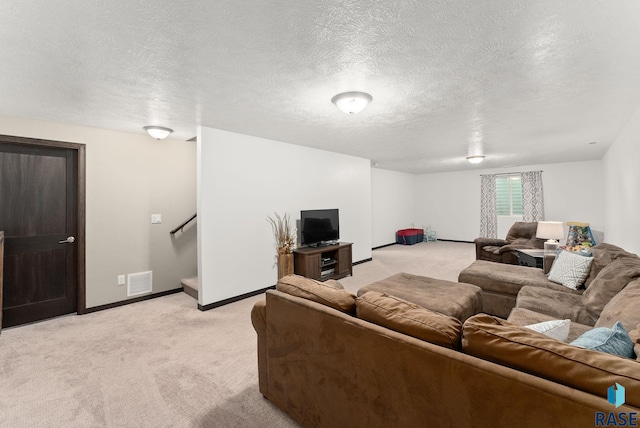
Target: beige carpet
{"type": "Point", "coordinates": [162, 362]}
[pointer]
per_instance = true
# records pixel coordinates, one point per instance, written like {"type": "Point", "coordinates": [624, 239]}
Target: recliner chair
{"type": "Point", "coordinates": [521, 235]}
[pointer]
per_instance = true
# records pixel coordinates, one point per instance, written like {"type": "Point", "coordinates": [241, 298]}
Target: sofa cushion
{"type": "Point", "coordinates": [507, 279]}
{"type": "Point", "coordinates": [330, 293]}
{"type": "Point", "coordinates": [556, 304]}
{"type": "Point", "coordinates": [610, 280]}
{"type": "Point", "coordinates": [570, 269]}
{"type": "Point", "coordinates": [603, 254]}
{"type": "Point", "coordinates": [408, 318]}
{"type": "Point", "coordinates": [557, 329]}
{"type": "Point", "coordinates": [446, 297]}
{"type": "Point", "coordinates": [522, 316]}
{"type": "Point", "coordinates": [623, 307]}
{"type": "Point", "coordinates": [615, 341]}
{"type": "Point", "coordinates": [517, 347]}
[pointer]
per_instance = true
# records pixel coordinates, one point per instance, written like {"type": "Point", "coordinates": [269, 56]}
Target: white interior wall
{"type": "Point", "coordinates": [242, 180]}
{"type": "Point", "coordinates": [129, 177]}
{"type": "Point", "coordinates": [621, 183]}
{"type": "Point", "coordinates": [505, 223]}
{"type": "Point", "coordinates": [450, 202]}
{"type": "Point", "coordinates": [393, 204]}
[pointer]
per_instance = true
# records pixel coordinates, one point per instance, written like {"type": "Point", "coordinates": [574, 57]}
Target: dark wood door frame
{"type": "Point", "coordinates": [80, 238]}
{"type": "Point", "coordinates": [1, 272]}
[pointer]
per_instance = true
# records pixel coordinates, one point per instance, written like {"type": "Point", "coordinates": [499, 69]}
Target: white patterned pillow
{"type": "Point", "coordinates": [558, 329]}
{"type": "Point", "coordinates": [570, 269]}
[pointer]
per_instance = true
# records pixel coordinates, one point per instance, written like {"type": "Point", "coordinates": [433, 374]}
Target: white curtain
{"type": "Point", "coordinates": [488, 217]}
{"type": "Point", "coordinates": [532, 196]}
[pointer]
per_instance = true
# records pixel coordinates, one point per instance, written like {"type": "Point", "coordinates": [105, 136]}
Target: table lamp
{"type": "Point", "coordinates": [552, 231]}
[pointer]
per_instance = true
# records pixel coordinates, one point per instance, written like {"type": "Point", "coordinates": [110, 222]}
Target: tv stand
{"type": "Point", "coordinates": [324, 262]}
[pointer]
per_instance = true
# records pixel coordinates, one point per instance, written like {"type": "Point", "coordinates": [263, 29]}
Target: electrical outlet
{"type": "Point", "coordinates": [156, 218]}
{"type": "Point", "coordinates": [121, 280]}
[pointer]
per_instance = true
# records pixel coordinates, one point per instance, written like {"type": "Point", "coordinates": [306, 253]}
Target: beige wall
{"type": "Point", "coordinates": [129, 177]}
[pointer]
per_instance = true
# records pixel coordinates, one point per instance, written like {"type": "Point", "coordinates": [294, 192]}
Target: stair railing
{"type": "Point", "coordinates": [184, 223]}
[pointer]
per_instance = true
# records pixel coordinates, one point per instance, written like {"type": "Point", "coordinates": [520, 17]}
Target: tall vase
{"type": "Point", "coordinates": [285, 265]}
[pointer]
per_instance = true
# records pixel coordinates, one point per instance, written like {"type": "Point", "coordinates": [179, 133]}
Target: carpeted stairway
{"type": "Point", "coordinates": [190, 286]}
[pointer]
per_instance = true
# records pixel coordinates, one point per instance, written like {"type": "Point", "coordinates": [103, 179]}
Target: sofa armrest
{"type": "Point", "coordinates": [259, 321]}
{"type": "Point", "coordinates": [496, 242]}
{"type": "Point", "coordinates": [483, 242]}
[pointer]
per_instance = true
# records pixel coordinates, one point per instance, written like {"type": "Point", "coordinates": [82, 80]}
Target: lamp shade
{"type": "Point", "coordinates": [551, 230]}
{"type": "Point", "coordinates": [352, 102]}
{"type": "Point", "coordinates": [158, 132]}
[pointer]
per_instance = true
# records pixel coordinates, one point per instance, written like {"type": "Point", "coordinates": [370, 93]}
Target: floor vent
{"type": "Point", "coordinates": [139, 283]}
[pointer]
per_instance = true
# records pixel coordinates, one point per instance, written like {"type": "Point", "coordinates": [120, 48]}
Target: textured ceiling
{"type": "Point", "coordinates": [527, 82]}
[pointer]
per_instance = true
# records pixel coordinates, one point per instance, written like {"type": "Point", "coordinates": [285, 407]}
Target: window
{"type": "Point", "coordinates": [509, 195]}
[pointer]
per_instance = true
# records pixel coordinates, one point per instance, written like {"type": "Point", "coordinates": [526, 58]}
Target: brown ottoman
{"type": "Point", "coordinates": [455, 299]}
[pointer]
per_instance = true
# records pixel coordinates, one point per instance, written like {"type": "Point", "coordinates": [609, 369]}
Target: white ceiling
{"type": "Point", "coordinates": [530, 82]}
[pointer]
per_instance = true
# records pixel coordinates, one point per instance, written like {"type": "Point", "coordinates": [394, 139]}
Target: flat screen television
{"type": "Point", "coordinates": [319, 227]}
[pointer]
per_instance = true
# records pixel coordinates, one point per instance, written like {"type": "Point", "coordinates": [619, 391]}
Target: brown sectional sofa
{"type": "Point", "coordinates": [525, 295]}
{"type": "Point", "coordinates": [327, 362]}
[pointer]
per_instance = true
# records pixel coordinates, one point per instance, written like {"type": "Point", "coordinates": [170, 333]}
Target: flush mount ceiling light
{"type": "Point", "coordinates": [158, 132]}
{"type": "Point", "coordinates": [352, 102]}
{"type": "Point", "coordinates": [475, 158]}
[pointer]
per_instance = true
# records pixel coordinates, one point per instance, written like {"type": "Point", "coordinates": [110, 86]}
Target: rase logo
{"type": "Point", "coordinates": [615, 396]}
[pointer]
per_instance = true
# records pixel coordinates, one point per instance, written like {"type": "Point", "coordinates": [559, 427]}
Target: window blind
{"type": "Point", "coordinates": [508, 195]}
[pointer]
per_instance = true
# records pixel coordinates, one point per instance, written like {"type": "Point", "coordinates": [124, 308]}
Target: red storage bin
{"type": "Point", "coordinates": [409, 236]}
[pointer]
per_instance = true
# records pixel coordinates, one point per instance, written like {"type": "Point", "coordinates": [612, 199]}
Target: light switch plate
{"type": "Point", "coordinates": [156, 218]}
{"type": "Point", "coordinates": [121, 280]}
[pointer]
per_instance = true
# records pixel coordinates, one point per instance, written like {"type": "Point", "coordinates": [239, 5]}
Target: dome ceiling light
{"type": "Point", "coordinates": [475, 158]}
{"type": "Point", "coordinates": [158, 132]}
{"type": "Point", "coordinates": [352, 102]}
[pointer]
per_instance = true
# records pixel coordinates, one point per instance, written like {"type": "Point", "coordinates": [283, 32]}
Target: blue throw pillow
{"type": "Point", "coordinates": [613, 340]}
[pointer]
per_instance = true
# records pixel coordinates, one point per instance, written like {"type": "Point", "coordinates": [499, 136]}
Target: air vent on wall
{"type": "Point", "coordinates": [139, 283]}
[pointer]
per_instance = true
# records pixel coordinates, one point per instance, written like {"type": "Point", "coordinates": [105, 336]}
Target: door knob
{"type": "Point", "coordinates": [69, 240]}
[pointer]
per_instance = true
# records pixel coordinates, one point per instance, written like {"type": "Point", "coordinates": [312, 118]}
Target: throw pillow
{"type": "Point", "coordinates": [408, 318]}
{"type": "Point", "coordinates": [570, 269]}
{"type": "Point", "coordinates": [558, 329]}
{"type": "Point", "coordinates": [331, 294]}
{"type": "Point", "coordinates": [613, 340]}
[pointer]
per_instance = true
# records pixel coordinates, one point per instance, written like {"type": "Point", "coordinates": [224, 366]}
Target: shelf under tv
{"type": "Point", "coordinates": [313, 261]}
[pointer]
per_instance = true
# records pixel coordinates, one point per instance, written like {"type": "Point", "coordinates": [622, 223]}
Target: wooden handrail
{"type": "Point", "coordinates": [184, 223]}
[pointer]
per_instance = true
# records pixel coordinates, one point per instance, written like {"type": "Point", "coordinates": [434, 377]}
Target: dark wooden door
{"type": "Point", "coordinates": [39, 208]}
{"type": "Point", "coordinates": [1, 271]}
